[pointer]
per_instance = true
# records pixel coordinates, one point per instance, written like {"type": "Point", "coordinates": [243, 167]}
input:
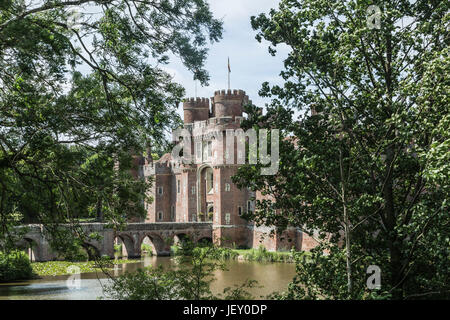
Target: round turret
{"type": "Point", "coordinates": [195, 109]}
{"type": "Point", "coordinates": [229, 103]}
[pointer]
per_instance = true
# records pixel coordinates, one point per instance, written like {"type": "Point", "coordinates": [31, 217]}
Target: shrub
{"type": "Point", "coordinates": [118, 248]}
{"type": "Point", "coordinates": [15, 266]}
{"type": "Point", "coordinates": [147, 248]}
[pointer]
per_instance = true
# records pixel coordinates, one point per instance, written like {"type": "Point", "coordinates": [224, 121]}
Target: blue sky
{"type": "Point", "coordinates": [251, 63]}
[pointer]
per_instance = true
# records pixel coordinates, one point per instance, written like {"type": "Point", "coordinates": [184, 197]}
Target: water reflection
{"type": "Point", "coordinates": [272, 276]}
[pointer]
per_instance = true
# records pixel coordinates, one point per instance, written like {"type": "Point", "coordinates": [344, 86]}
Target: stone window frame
{"type": "Point", "coordinates": [209, 149]}
{"type": "Point", "coordinates": [162, 191]}
{"type": "Point", "coordinates": [227, 218]}
{"type": "Point", "coordinates": [160, 216]}
{"type": "Point", "coordinates": [249, 205]}
{"type": "Point", "coordinates": [240, 211]}
{"type": "Point", "coordinates": [193, 191]}
{"type": "Point", "coordinates": [172, 213]}
{"type": "Point", "coordinates": [227, 187]}
{"type": "Point", "coordinates": [199, 151]}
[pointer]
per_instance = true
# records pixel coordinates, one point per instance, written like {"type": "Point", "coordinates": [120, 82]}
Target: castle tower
{"type": "Point", "coordinates": [229, 103]}
{"type": "Point", "coordinates": [195, 110]}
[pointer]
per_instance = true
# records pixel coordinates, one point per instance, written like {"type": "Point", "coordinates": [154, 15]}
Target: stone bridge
{"type": "Point", "coordinates": [159, 235]}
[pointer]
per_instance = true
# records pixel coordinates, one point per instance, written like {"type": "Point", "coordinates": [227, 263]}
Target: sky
{"type": "Point", "coordinates": [251, 64]}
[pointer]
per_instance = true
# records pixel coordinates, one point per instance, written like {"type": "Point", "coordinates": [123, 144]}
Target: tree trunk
{"type": "Point", "coordinates": [348, 253]}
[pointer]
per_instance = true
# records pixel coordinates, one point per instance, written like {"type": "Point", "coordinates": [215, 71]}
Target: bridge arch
{"type": "Point", "coordinates": [179, 238]}
{"type": "Point", "coordinates": [92, 251]}
{"type": "Point", "coordinates": [159, 246]}
{"type": "Point", "coordinates": [31, 247]}
{"type": "Point", "coordinates": [205, 241]}
{"type": "Point", "coordinates": [127, 245]}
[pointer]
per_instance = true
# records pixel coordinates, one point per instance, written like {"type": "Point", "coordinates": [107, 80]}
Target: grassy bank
{"type": "Point", "coordinates": [59, 268]}
{"type": "Point", "coordinates": [260, 255]}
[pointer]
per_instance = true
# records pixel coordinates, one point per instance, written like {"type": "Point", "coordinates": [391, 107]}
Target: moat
{"type": "Point", "coordinates": [271, 276]}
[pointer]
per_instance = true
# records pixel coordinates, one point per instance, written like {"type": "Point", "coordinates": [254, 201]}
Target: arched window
{"type": "Point", "coordinates": [209, 180]}
{"type": "Point", "coordinates": [160, 216]}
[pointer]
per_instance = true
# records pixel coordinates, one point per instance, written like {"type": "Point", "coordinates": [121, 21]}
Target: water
{"type": "Point", "coordinates": [272, 276]}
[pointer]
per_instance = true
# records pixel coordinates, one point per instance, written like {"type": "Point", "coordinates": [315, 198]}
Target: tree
{"type": "Point", "coordinates": [83, 90]}
{"type": "Point", "coordinates": [191, 279]}
{"type": "Point", "coordinates": [366, 169]}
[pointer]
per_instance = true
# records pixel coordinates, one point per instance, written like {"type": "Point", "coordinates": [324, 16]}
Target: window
{"type": "Point", "coordinates": [193, 190]}
{"type": "Point", "coordinates": [209, 180]}
{"type": "Point", "coordinates": [160, 216]}
{"type": "Point", "coordinates": [249, 206]}
{"type": "Point", "coordinates": [178, 186]}
{"type": "Point", "coordinates": [160, 190]}
{"type": "Point", "coordinates": [172, 213]}
{"type": "Point", "coordinates": [240, 211]}
{"type": "Point", "coordinates": [227, 218]}
{"type": "Point", "coordinates": [227, 187]}
{"type": "Point", "coordinates": [194, 217]}
{"type": "Point", "coordinates": [209, 149]}
{"type": "Point", "coordinates": [199, 150]}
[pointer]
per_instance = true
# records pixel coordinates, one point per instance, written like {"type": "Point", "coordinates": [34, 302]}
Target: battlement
{"type": "Point", "coordinates": [229, 103]}
{"type": "Point", "coordinates": [230, 94]}
{"type": "Point", "coordinates": [195, 109]}
{"type": "Point", "coordinates": [202, 103]}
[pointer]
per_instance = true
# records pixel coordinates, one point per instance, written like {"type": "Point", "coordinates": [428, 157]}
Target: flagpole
{"type": "Point", "coordinates": [229, 71]}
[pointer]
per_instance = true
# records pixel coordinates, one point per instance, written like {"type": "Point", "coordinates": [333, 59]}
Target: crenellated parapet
{"type": "Point", "coordinates": [229, 103]}
{"type": "Point", "coordinates": [195, 109]}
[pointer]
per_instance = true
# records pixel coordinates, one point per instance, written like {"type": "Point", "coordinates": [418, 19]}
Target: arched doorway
{"type": "Point", "coordinates": [205, 194]}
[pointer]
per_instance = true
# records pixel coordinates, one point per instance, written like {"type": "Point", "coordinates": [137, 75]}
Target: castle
{"type": "Point", "coordinates": [202, 190]}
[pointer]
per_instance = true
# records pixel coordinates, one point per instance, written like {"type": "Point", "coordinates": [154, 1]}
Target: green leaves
{"type": "Point", "coordinates": [369, 144]}
{"type": "Point", "coordinates": [77, 96]}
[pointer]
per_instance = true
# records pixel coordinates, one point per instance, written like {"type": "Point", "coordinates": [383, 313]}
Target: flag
{"type": "Point", "coordinates": [229, 68]}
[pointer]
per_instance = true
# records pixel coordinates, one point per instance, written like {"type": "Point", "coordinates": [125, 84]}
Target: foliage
{"type": "Point", "coordinates": [79, 98]}
{"type": "Point", "coordinates": [190, 280]}
{"type": "Point", "coordinates": [363, 168]}
{"type": "Point", "coordinates": [262, 255]}
{"type": "Point", "coordinates": [15, 265]}
{"type": "Point", "coordinates": [147, 248]}
{"type": "Point", "coordinates": [59, 268]}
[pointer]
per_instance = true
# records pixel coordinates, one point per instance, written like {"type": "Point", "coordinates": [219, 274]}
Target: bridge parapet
{"type": "Point", "coordinates": [157, 226]}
